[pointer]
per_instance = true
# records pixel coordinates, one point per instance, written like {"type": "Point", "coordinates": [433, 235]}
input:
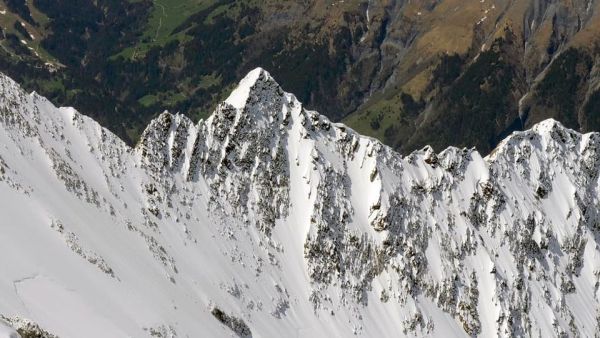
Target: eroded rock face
{"type": "Point", "coordinates": [267, 219]}
{"type": "Point", "coordinates": [24, 328]}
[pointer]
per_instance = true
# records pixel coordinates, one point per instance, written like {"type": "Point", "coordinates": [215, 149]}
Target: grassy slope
{"type": "Point", "coordinates": [450, 28]}
{"type": "Point", "coordinates": [383, 113]}
{"type": "Point", "coordinates": [165, 17]}
{"type": "Point", "coordinates": [37, 33]}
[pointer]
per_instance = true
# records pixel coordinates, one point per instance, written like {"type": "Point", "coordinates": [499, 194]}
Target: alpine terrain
{"type": "Point", "coordinates": [442, 73]}
{"type": "Point", "coordinates": [268, 220]}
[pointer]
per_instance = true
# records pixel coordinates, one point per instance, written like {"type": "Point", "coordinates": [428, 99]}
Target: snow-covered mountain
{"type": "Point", "coordinates": [268, 220]}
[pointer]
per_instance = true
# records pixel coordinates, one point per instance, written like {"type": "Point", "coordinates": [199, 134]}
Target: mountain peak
{"type": "Point", "coordinates": [544, 135]}
{"type": "Point", "coordinates": [547, 125]}
{"type": "Point", "coordinates": [240, 95]}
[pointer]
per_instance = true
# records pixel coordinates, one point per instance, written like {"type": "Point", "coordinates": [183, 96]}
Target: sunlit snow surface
{"type": "Point", "coordinates": [289, 225]}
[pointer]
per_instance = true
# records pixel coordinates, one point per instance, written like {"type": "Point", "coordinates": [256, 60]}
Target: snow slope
{"type": "Point", "coordinates": [268, 220]}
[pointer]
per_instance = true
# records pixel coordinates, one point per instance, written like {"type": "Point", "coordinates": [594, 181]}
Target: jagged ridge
{"type": "Point", "coordinates": [268, 219]}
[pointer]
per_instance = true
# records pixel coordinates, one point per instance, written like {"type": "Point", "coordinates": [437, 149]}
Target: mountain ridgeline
{"type": "Point", "coordinates": [436, 72]}
{"type": "Point", "coordinates": [267, 220]}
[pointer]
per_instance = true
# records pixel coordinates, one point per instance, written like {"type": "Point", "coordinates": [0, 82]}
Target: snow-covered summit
{"type": "Point", "coordinates": [268, 220]}
{"type": "Point", "coordinates": [240, 95]}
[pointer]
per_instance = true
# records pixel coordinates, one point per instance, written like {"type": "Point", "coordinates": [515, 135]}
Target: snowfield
{"type": "Point", "coordinates": [268, 220]}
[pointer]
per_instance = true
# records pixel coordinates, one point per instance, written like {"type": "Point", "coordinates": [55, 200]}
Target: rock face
{"type": "Point", "coordinates": [267, 219]}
